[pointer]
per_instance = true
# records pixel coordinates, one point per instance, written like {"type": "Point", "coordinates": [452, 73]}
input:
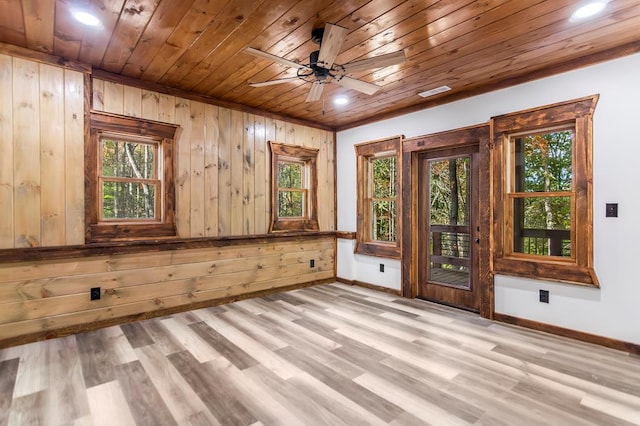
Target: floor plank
{"type": "Point", "coordinates": [325, 355]}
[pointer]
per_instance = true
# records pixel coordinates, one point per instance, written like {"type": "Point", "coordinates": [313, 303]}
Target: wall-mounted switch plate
{"type": "Point", "coordinates": [544, 296]}
{"type": "Point", "coordinates": [382, 267]}
{"type": "Point", "coordinates": [611, 210]}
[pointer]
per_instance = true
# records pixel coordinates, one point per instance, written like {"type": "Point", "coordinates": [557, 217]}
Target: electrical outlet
{"type": "Point", "coordinates": [95, 293]}
{"type": "Point", "coordinates": [312, 263]}
{"type": "Point", "coordinates": [544, 296]}
{"type": "Point", "coordinates": [611, 210]}
{"type": "Point", "coordinates": [382, 267]}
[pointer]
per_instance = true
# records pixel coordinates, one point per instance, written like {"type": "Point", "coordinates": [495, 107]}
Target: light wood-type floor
{"type": "Point", "coordinates": [326, 355]}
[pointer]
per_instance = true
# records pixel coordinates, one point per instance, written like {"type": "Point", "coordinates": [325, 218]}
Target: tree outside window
{"type": "Point", "coordinates": [384, 198]}
{"type": "Point", "coordinates": [294, 185]}
{"type": "Point", "coordinates": [542, 188]}
{"type": "Point", "coordinates": [542, 192]}
{"type": "Point", "coordinates": [129, 166]}
{"type": "Point", "coordinates": [378, 209]}
{"type": "Point", "coordinates": [129, 179]}
{"type": "Point", "coordinates": [292, 194]}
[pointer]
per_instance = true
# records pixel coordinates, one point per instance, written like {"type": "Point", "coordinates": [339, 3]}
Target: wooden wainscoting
{"type": "Point", "coordinates": [45, 298]}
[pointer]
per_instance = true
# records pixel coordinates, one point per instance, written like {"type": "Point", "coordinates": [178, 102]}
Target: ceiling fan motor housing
{"type": "Point", "coordinates": [319, 72]}
{"type": "Point", "coordinates": [316, 35]}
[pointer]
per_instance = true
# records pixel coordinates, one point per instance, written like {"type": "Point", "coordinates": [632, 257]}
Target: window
{"type": "Point", "coordinates": [294, 182]}
{"type": "Point", "coordinates": [543, 192]}
{"type": "Point", "coordinates": [378, 198]}
{"type": "Point", "coordinates": [130, 188]}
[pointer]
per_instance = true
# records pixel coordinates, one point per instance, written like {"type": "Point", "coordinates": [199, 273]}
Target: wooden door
{"type": "Point", "coordinates": [448, 230]}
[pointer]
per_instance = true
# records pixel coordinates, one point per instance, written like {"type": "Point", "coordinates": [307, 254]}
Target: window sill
{"type": "Point", "coordinates": [391, 251]}
{"type": "Point", "coordinates": [563, 272]}
{"type": "Point", "coordinates": [294, 225]}
{"type": "Point", "coordinates": [101, 233]}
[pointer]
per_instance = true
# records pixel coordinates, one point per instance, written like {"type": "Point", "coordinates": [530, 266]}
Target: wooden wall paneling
{"type": "Point", "coordinates": [326, 163]}
{"type": "Point", "coordinates": [237, 168]}
{"type": "Point", "coordinates": [166, 108]}
{"type": "Point", "coordinates": [331, 149]}
{"type": "Point", "coordinates": [97, 95]}
{"type": "Point", "coordinates": [54, 294]}
{"type": "Point", "coordinates": [224, 172]}
{"type": "Point", "coordinates": [183, 168]}
{"type": "Point", "coordinates": [26, 155]}
{"type": "Point", "coordinates": [132, 101]}
{"type": "Point", "coordinates": [270, 135]}
{"type": "Point", "coordinates": [290, 134]}
{"type": "Point", "coordinates": [52, 156]}
{"type": "Point", "coordinates": [280, 131]}
{"type": "Point", "coordinates": [145, 284]}
{"type": "Point", "coordinates": [75, 98]}
{"type": "Point", "coordinates": [197, 169]}
{"type": "Point", "coordinates": [113, 97]}
{"type": "Point", "coordinates": [248, 178]}
{"type": "Point", "coordinates": [6, 147]}
{"type": "Point", "coordinates": [150, 105]}
{"type": "Point", "coordinates": [260, 180]}
{"type": "Point", "coordinates": [211, 143]}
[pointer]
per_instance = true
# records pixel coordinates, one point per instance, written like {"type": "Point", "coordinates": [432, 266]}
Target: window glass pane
{"type": "Point", "coordinates": [449, 231]}
{"type": "Point", "coordinates": [384, 220]}
{"type": "Point", "coordinates": [543, 162]}
{"type": "Point", "coordinates": [127, 159]}
{"type": "Point", "coordinates": [290, 203]}
{"type": "Point", "coordinates": [449, 191]}
{"type": "Point", "coordinates": [128, 200]}
{"type": "Point", "coordinates": [290, 175]}
{"type": "Point", "coordinates": [384, 177]}
{"type": "Point", "coordinates": [542, 226]}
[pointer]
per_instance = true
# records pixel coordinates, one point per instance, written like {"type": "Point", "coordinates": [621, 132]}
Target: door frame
{"type": "Point", "coordinates": [411, 148]}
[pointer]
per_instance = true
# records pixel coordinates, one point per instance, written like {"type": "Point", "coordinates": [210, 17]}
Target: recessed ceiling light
{"type": "Point", "coordinates": [86, 18]}
{"type": "Point", "coordinates": [341, 100]}
{"type": "Point", "coordinates": [435, 91]}
{"type": "Point", "coordinates": [589, 9]}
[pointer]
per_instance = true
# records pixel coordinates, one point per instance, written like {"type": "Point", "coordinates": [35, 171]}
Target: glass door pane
{"type": "Point", "coordinates": [449, 229]}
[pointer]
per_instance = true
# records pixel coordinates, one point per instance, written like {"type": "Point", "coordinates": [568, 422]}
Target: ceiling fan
{"type": "Point", "coordinates": [322, 70]}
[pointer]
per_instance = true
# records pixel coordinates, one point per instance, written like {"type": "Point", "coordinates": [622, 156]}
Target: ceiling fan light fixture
{"type": "Point", "coordinates": [435, 91]}
{"type": "Point", "coordinates": [588, 10]}
{"type": "Point", "coordinates": [86, 18]}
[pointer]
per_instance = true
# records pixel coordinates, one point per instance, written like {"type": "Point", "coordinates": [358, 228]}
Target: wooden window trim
{"type": "Point", "coordinates": [365, 152]}
{"type": "Point", "coordinates": [578, 269]}
{"type": "Point", "coordinates": [309, 157]}
{"type": "Point", "coordinates": [97, 230]}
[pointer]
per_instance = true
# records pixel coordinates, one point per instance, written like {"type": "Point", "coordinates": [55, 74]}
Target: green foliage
{"type": "Point", "coordinates": [547, 162]}
{"type": "Point", "coordinates": [384, 182]}
{"type": "Point", "coordinates": [543, 164]}
{"type": "Point", "coordinates": [290, 176]}
{"type": "Point", "coordinates": [128, 171]}
{"type": "Point", "coordinates": [449, 188]}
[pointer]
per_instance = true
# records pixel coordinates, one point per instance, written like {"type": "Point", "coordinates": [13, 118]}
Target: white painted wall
{"type": "Point", "coordinates": [614, 309]}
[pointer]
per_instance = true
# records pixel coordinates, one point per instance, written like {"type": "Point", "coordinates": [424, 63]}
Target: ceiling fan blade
{"type": "Point", "coordinates": [332, 40]}
{"type": "Point", "coordinates": [359, 85]}
{"type": "Point", "coordinates": [274, 58]}
{"type": "Point", "coordinates": [315, 92]}
{"type": "Point", "coordinates": [381, 61]}
{"type": "Point", "coordinates": [272, 82]}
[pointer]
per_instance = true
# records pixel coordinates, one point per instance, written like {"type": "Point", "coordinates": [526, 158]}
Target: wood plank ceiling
{"type": "Point", "coordinates": [197, 46]}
